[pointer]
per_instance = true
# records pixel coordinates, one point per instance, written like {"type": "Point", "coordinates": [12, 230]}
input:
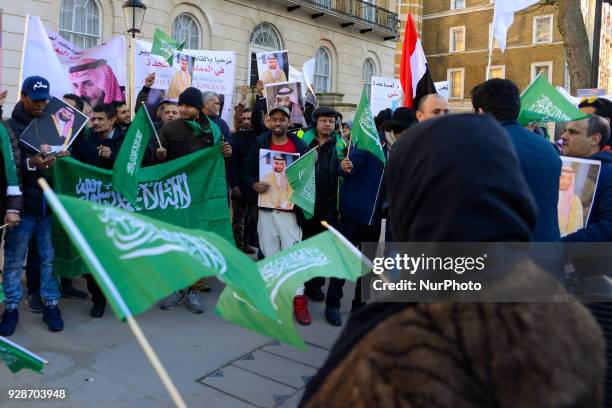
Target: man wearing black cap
{"type": "Point", "coordinates": [190, 133]}
{"type": "Point", "coordinates": [326, 140]}
{"type": "Point", "coordinates": [35, 221]}
{"type": "Point", "coordinates": [278, 229]}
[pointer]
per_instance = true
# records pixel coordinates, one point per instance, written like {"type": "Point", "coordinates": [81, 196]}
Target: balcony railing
{"type": "Point", "coordinates": [356, 11]}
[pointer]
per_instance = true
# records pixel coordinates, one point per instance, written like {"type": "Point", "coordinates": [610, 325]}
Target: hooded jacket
{"type": "Point", "coordinates": [33, 200]}
{"type": "Point", "coordinates": [599, 226]}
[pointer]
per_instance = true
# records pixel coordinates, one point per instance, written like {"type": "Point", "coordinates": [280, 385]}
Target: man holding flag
{"type": "Point", "coordinates": [362, 173]}
{"type": "Point", "coordinates": [192, 132]}
{"type": "Point", "coordinates": [326, 203]}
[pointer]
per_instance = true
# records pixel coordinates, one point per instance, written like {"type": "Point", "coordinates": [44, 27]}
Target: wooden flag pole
{"type": "Point", "coordinates": [81, 243]}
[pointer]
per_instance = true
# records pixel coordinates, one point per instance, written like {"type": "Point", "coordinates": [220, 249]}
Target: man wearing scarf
{"type": "Point", "coordinates": [95, 81]}
{"type": "Point", "coordinates": [193, 131]}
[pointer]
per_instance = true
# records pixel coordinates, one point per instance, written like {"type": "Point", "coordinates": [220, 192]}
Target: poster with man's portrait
{"type": "Point", "coordinates": [182, 74]}
{"type": "Point", "coordinates": [272, 166]}
{"type": "Point", "coordinates": [273, 67]}
{"type": "Point", "coordinates": [577, 187]}
{"type": "Point", "coordinates": [287, 94]}
{"type": "Point", "coordinates": [56, 129]}
{"type": "Point", "coordinates": [94, 80]}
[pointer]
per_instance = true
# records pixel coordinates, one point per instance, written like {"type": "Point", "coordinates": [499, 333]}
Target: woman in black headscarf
{"type": "Point", "coordinates": [458, 179]}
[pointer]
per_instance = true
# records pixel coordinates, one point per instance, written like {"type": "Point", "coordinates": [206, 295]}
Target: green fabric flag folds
{"type": "Point", "coordinates": [323, 255]}
{"type": "Point", "coordinates": [17, 358]}
{"type": "Point", "coordinates": [129, 158]}
{"type": "Point", "coordinates": [189, 192]}
{"type": "Point", "coordinates": [541, 102]}
{"type": "Point", "coordinates": [364, 134]}
{"type": "Point", "coordinates": [301, 176]}
{"type": "Point", "coordinates": [165, 46]}
{"type": "Point", "coordinates": [147, 260]}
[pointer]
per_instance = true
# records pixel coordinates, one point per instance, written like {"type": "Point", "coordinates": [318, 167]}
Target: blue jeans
{"type": "Point", "coordinates": [15, 247]}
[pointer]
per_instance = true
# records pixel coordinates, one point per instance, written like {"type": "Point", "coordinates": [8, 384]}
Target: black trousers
{"type": "Point", "coordinates": [310, 228]}
{"type": "Point", "coordinates": [92, 286]}
{"type": "Point", "coordinates": [356, 233]}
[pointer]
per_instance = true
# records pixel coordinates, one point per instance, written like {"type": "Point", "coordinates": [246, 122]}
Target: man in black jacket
{"type": "Point", "coordinates": [326, 205]}
{"type": "Point", "coordinates": [35, 221]}
{"type": "Point", "coordinates": [100, 150]}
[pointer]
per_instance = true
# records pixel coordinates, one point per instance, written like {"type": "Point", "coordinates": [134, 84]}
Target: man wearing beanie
{"type": "Point", "coordinates": [180, 137]}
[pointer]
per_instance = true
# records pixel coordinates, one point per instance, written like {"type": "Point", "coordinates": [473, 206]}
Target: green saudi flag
{"type": "Point", "coordinates": [17, 358]}
{"type": "Point", "coordinates": [165, 46]}
{"type": "Point", "coordinates": [541, 102]}
{"type": "Point", "coordinates": [189, 192]}
{"type": "Point", "coordinates": [146, 260]}
{"type": "Point", "coordinates": [301, 176]}
{"type": "Point", "coordinates": [129, 158]}
{"type": "Point", "coordinates": [364, 134]}
{"type": "Point", "coordinates": [327, 254]}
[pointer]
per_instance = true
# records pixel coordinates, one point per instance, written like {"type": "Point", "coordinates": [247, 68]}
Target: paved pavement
{"type": "Point", "coordinates": [213, 363]}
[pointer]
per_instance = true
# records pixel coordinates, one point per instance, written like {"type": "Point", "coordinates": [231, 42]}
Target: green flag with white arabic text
{"type": "Point", "coordinates": [17, 358]}
{"type": "Point", "coordinates": [323, 255]}
{"type": "Point", "coordinates": [129, 158]}
{"type": "Point", "coordinates": [147, 260]}
{"type": "Point", "coordinates": [541, 102]}
{"type": "Point", "coordinates": [301, 176]}
{"type": "Point", "coordinates": [364, 134]}
{"type": "Point", "coordinates": [189, 192]}
{"type": "Point", "coordinates": [165, 46]}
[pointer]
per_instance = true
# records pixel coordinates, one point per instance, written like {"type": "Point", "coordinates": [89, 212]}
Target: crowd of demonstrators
{"type": "Point", "coordinates": [506, 174]}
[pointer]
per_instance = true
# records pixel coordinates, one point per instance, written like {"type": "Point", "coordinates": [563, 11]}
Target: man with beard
{"type": "Point", "coordinates": [278, 229]}
{"type": "Point", "coordinates": [181, 79]}
{"type": "Point", "coordinates": [180, 137]}
{"type": "Point", "coordinates": [95, 81]}
{"type": "Point", "coordinates": [283, 98]}
{"type": "Point", "coordinates": [274, 74]}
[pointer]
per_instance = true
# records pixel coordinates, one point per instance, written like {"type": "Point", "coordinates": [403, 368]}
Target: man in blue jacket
{"type": "Point", "coordinates": [540, 162]}
{"type": "Point", "coordinates": [585, 138]}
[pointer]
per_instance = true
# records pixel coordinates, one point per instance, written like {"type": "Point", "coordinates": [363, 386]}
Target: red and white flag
{"type": "Point", "coordinates": [414, 72]}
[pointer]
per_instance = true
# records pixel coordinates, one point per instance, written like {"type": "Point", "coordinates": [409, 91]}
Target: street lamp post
{"type": "Point", "coordinates": [134, 11]}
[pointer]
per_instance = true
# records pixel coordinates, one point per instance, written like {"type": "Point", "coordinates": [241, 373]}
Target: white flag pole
{"type": "Point", "coordinates": [491, 31]}
{"type": "Point", "coordinates": [83, 245]}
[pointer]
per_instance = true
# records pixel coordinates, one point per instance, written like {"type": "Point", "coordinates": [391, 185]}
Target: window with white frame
{"type": "Point", "coordinates": [185, 28]}
{"type": "Point", "coordinates": [545, 68]}
{"type": "Point", "coordinates": [322, 74]}
{"type": "Point", "coordinates": [367, 72]}
{"type": "Point", "coordinates": [457, 39]}
{"type": "Point", "coordinates": [497, 71]}
{"type": "Point", "coordinates": [457, 4]}
{"type": "Point", "coordinates": [455, 83]}
{"type": "Point", "coordinates": [80, 22]}
{"type": "Point", "coordinates": [542, 29]}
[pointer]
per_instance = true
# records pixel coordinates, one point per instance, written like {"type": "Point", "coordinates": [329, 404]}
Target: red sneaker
{"type": "Point", "coordinates": [300, 308]}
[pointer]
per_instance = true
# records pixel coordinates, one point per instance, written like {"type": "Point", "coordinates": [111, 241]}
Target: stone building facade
{"type": "Point", "coordinates": [350, 39]}
{"type": "Point", "coordinates": [455, 36]}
